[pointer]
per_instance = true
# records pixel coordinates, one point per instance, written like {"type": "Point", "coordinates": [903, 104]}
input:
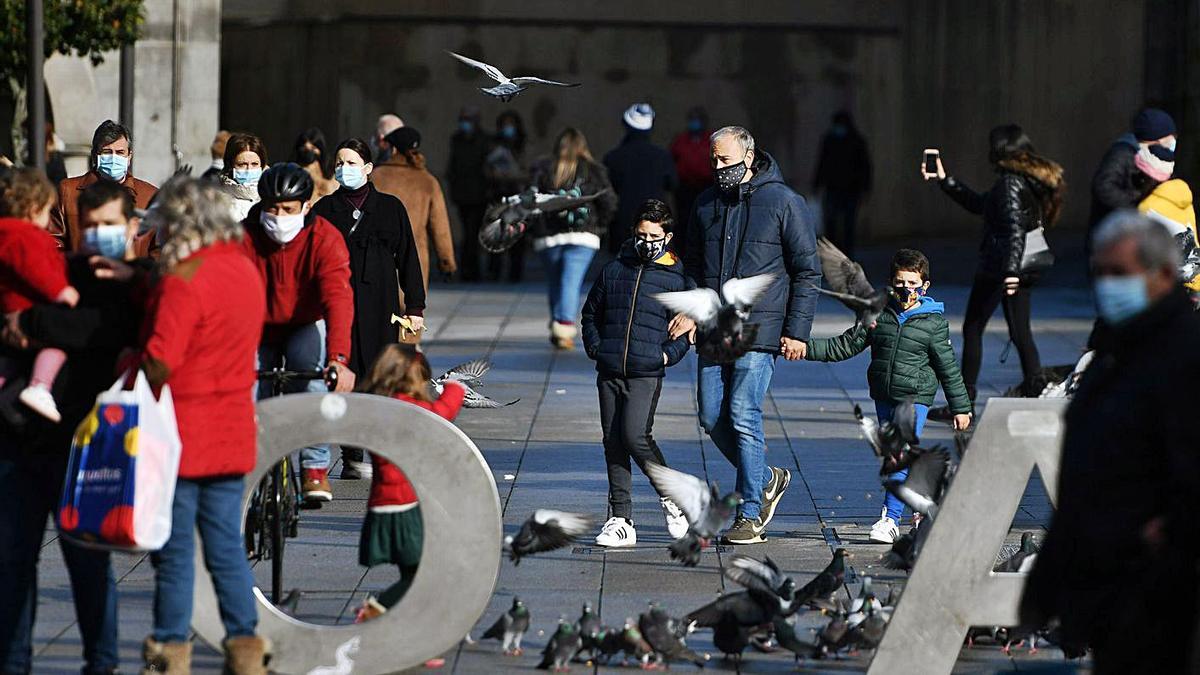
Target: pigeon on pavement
{"type": "Point", "coordinates": [510, 628]}
{"type": "Point", "coordinates": [545, 530]}
{"type": "Point", "coordinates": [507, 87]}
{"type": "Point", "coordinates": [589, 628]}
{"type": "Point", "coordinates": [706, 510]}
{"type": "Point", "coordinates": [832, 638]}
{"type": "Point", "coordinates": [665, 635]}
{"type": "Point", "coordinates": [634, 644]}
{"type": "Point", "coordinates": [1023, 559]}
{"type": "Point", "coordinates": [722, 334]}
{"type": "Point", "coordinates": [562, 647]}
{"type": "Point", "coordinates": [849, 285]}
{"type": "Point", "coordinates": [785, 634]}
{"type": "Point", "coordinates": [827, 582]}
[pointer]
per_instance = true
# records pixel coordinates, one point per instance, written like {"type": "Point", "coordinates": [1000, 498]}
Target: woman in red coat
{"type": "Point", "coordinates": [202, 330]}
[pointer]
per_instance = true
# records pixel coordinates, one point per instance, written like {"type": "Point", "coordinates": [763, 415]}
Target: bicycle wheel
{"type": "Point", "coordinates": [292, 498]}
{"type": "Point", "coordinates": [278, 531]}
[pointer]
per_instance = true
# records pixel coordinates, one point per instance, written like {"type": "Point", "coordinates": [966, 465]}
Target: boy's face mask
{"type": "Point", "coordinates": [907, 296]}
{"type": "Point", "coordinates": [649, 249]}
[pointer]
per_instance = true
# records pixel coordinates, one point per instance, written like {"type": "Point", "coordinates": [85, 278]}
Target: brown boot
{"type": "Point", "coordinates": [562, 335]}
{"type": "Point", "coordinates": [246, 655]}
{"type": "Point", "coordinates": [173, 658]}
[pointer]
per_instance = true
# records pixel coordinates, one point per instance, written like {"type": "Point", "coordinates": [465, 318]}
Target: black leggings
{"type": "Point", "coordinates": [986, 293]}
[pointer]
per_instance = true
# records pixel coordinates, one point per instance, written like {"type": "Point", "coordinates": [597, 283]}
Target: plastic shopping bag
{"type": "Point", "coordinates": [120, 482]}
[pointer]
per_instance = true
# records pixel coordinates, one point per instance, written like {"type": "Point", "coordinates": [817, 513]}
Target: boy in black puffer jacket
{"type": "Point", "coordinates": [910, 355]}
{"type": "Point", "coordinates": [625, 332]}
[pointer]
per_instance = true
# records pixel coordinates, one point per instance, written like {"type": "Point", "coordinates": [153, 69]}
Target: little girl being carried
{"type": "Point", "coordinates": [32, 270]}
{"type": "Point", "coordinates": [392, 532]}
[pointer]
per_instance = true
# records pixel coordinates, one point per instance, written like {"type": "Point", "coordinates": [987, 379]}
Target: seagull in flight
{"type": "Point", "coordinates": [508, 87]}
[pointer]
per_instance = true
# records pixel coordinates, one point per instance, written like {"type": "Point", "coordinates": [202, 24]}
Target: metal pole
{"type": "Point", "coordinates": [126, 109]}
{"type": "Point", "coordinates": [35, 92]}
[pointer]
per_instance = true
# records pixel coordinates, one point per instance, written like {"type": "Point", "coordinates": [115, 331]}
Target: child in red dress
{"type": "Point", "coordinates": [392, 532]}
{"type": "Point", "coordinates": [32, 270]}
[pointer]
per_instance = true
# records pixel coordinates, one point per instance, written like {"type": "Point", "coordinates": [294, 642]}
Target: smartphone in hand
{"type": "Point", "coordinates": [929, 163]}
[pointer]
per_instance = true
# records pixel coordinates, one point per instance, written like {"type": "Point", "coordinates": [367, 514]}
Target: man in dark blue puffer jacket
{"type": "Point", "coordinates": [750, 222]}
{"type": "Point", "coordinates": [625, 332]}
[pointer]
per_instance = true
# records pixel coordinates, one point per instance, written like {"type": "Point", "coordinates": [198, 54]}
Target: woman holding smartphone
{"type": "Point", "coordinates": [1026, 194]}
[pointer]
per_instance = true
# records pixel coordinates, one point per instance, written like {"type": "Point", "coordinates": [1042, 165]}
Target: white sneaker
{"type": "Point", "coordinates": [884, 531]}
{"type": "Point", "coordinates": [677, 524]}
{"type": "Point", "coordinates": [917, 518]}
{"type": "Point", "coordinates": [41, 401]}
{"type": "Point", "coordinates": [617, 533]}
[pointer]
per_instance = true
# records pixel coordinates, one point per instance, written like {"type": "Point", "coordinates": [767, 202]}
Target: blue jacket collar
{"type": "Point", "coordinates": [926, 305]}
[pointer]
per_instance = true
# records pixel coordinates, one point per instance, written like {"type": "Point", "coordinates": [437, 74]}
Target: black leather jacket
{"type": "Point", "coordinates": [1009, 210]}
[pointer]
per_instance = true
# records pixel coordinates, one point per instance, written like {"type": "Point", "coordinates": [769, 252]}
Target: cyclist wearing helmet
{"type": "Point", "coordinates": [310, 307]}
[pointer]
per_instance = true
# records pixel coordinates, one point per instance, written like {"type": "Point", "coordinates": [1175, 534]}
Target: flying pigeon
{"type": "Point", "coordinates": [562, 647]}
{"type": "Point", "coordinates": [508, 87]}
{"type": "Point", "coordinates": [849, 285]}
{"type": "Point", "coordinates": [722, 334]}
{"type": "Point", "coordinates": [765, 581]}
{"type": "Point", "coordinates": [589, 629]}
{"type": "Point", "coordinates": [520, 207]}
{"type": "Point", "coordinates": [904, 551]}
{"type": "Point", "coordinates": [891, 440]}
{"type": "Point", "coordinates": [545, 530]}
{"type": "Point", "coordinates": [469, 375]}
{"type": "Point", "coordinates": [1023, 559]}
{"type": "Point", "coordinates": [827, 582]}
{"type": "Point", "coordinates": [510, 628]}
{"type": "Point", "coordinates": [706, 510]}
{"type": "Point", "coordinates": [741, 607]}
{"type": "Point", "coordinates": [665, 636]}
{"type": "Point", "coordinates": [497, 237]}
{"type": "Point", "coordinates": [928, 476]}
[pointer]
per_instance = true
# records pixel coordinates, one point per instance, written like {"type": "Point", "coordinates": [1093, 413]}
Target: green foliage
{"type": "Point", "coordinates": [81, 27]}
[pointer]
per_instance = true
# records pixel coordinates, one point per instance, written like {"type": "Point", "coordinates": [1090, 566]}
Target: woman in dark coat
{"type": "Point", "coordinates": [1027, 194]}
{"type": "Point", "coordinates": [383, 255]}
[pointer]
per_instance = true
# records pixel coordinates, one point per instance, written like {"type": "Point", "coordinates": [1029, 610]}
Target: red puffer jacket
{"type": "Point", "coordinates": [32, 269]}
{"type": "Point", "coordinates": [390, 489]}
{"type": "Point", "coordinates": [307, 279]}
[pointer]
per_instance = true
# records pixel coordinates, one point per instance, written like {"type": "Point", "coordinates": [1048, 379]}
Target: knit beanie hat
{"type": "Point", "coordinates": [1156, 161]}
{"type": "Point", "coordinates": [404, 139]}
{"type": "Point", "coordinates": [639, 116]}
{"type": "Point", "coordinates": [1152, 124]}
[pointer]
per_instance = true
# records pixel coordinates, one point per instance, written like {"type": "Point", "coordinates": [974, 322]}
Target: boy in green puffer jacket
{"type": "Point", "coordinates": [910, 354]}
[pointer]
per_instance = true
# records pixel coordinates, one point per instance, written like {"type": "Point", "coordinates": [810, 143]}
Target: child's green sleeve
{"type": "Point", "coordinates": [945, 366]}
{"type": "Point", "coordinates": [844, 346]}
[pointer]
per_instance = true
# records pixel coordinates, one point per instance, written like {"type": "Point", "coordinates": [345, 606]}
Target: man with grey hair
{"type": "Point", "coordinates": [387, 123]}
{"type": "Point", "coordinates": [750, 222]}
{"type": "Point", "coordinates": [1118, 567]}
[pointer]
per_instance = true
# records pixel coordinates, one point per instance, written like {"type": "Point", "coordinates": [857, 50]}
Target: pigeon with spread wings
{"type": "Point", "coordinates": [849, 285]}
{"type": "Point", "coordinates": [545, 530]}
{"type": "Point", "coordinates": [506, 87]}
{"type": "Point", "coordinates": [706, 510]}
{"type": "Point", "coordinates": [722, 331]}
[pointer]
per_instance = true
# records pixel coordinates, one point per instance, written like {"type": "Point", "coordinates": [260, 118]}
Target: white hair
{"type": "Point", "coordinates": [190, 215]}
{"type": "Point", "coordinates": [1155, 246]}
{"type": "Point", "coordinates": [740, 134]}
{"type": "Point", "coordinates": [387, 124]}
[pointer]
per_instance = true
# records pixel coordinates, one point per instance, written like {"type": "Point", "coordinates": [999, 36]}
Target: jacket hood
{"type": "Point", "coordinates": [1045, 178]}
{"type": "Point", "coordinates": [766, 171]}
{"type": "Point", "coordinates": [925, 305]}
{"type": "Point", "coordinates": [1129, 139]}
{"type": "Point", "coordinates": [1174, 192]}
{"type": "Point", "coordinates": [668, 260]}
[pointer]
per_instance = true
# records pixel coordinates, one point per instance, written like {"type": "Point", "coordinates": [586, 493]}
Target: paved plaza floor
{"type": "Point", "coordinates": [545, 451]}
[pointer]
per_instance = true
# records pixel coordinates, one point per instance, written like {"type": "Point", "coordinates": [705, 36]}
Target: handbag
{"type": "Point", "coordinates": [120, 484]}
{"type": "Point", "coordinates": [1037, 257]}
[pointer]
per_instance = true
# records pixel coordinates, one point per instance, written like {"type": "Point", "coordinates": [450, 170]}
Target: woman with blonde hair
{"type": "Point", "coordinates": [568, 240]}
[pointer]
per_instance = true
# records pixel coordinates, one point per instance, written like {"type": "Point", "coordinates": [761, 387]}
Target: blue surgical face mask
{"type": "Point", "coordinates": [112, 166]}
{"type": "Point", "coordinates": [351, 176]}
{"type": "Point", "coordinates": [508, 131]}
{"type": "Point", "coordinates": [107, 240]}
{"type": "Point", "coordinates": [1171, 144]}
{"type": "Point", "coordinates": [247, 177]}
{"type": "Point", "coordinates": [695, 125]}
{"type": "Point", "coordinates": [1119, 299]}
{"type": "Point", "coordinates": [466, 126]}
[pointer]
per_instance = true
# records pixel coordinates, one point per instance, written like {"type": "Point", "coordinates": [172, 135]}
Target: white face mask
{"type": "Point", "coordinates": [284, 227]}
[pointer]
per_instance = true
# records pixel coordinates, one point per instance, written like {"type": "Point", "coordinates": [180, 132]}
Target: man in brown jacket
{"type": "Point", "coordinates": [112, 152]}
{"type": "Point", "coordinates": [404, 176]}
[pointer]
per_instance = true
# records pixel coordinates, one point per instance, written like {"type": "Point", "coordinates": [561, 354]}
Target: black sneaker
{"type": "Point", "coordinates": [941, 414]}
{"type": "Point", "coordinates": [772, 493]}
{"type": "Point", "coordinates": [745, 531]}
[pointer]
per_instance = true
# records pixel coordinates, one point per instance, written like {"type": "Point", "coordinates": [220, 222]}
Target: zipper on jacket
{"type": "Point", "coordinates": [629, 324]}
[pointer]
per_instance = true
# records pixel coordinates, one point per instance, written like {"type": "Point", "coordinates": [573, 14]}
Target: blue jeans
{"type": "Point", "coordinates": [214, 507]}
{"type": "Point", "coordinates": [730, 397]}
{"type": "Point", "coordinates": [566, 266]}
{"type": "Point", "coordinates": [31, 488]}
{"type": "Point", "coordinates": [304, 350]}
{"type": "Point", "coordinates": [884, 411]}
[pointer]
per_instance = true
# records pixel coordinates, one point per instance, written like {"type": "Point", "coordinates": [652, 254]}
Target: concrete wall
{"type": "Point", "coordinates": [174, 117]}
{"type": "Point", "coordinates": [915, 73]}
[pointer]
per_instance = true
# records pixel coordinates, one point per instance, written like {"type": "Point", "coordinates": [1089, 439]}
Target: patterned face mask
{"type": "Point", "coordinates": [649, 250]}
{"type": "Point", "coordinates": [729, 177]}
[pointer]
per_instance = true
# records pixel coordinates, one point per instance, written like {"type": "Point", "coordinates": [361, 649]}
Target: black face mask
{"type": "Point", "coordinates": [649, 251]}
{"type": "Point", "coordinates": [306, 156]}
{"type": "Point", "coordinates": [729, 177]}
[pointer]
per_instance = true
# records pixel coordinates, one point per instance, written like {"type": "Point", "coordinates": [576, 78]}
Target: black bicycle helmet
{"type": "Point", "coordinates": [285, 183]}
